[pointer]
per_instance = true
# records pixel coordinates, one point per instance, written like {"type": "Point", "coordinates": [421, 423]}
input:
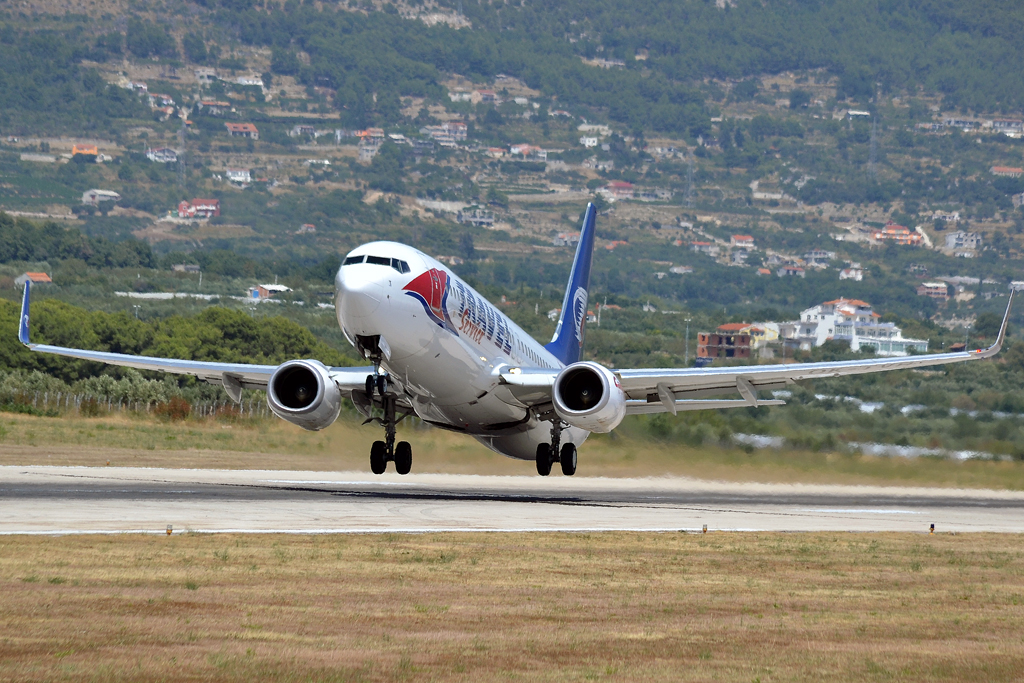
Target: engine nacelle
{"type": "Point", "coordinates": [590, 397]}
{"type": "Point", "coordinates": [303, 393]}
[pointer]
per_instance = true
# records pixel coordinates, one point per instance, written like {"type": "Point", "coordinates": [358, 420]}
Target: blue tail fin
{"type": "Point", "coordinates": [567, 344]}
{"type": "Point", "coordinates": [23, 323]}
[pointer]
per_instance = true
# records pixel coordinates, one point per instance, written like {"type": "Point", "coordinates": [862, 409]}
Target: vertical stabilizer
{"type": "Point", "coordinates": [567, 344]}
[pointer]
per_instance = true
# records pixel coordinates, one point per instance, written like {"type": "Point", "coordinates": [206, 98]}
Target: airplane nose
{"type": "Point", "coordinates": [359, 292]}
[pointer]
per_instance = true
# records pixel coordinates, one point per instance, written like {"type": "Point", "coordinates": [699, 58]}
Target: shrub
{"type": "Point", "coordinates": [176, 409]}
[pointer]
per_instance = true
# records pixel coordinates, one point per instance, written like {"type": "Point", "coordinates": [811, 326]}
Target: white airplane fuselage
{"type": "Point", "coordinates": [443, 346]}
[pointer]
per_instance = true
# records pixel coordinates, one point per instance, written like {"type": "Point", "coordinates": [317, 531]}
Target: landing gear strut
{"type": "Point", "coordinates": [551, 453]}
{"type": "Point", "coordinates": [382, 452]}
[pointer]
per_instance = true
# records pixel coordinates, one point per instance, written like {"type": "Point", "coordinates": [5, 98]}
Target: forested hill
{"type": "Point", "coordinates": [969, 52]}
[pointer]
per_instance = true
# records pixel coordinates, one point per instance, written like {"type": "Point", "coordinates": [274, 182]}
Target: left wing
{"type": "Point", "coordinates": [233, 376]}
{"type": "Point", "coordinates": [675, 389]}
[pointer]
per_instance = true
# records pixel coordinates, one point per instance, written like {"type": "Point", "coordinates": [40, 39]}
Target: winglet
{"type": "Point", "coordinates": [994, 349]}
{"type": "Point", "coordinates": [23, 325]}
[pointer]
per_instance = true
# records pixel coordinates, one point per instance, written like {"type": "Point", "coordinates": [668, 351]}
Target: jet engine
{"type": "Point", "coordinates": [303, 393]}
{"type": "Point", "coordinates": [590, 397]}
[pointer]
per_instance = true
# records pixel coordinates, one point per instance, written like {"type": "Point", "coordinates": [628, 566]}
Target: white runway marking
{"type": "Point", "coordinates": [76, 500]}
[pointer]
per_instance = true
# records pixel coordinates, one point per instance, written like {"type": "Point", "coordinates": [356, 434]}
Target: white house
{"type": "Point", "coordinates": [95, 197]}
{"type": "Point", "coordinates": [849, 320]}
{"type": "Point", "coordinates": [238, 176]}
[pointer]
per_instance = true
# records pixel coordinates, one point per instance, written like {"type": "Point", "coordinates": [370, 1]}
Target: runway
{"type": "Point", "coordinates": [69, 500]}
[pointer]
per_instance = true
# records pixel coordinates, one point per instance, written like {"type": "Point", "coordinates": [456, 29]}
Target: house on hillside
{"type": "Point", "coordinates": [199, 208]}
{"type": "Point", "coordinates": [709, 248]}
{"type": "Point", "coordinates": [819, 257]}
{"type": "Point", "coordinates": [34, 278]}
{"type": "Point", "coordinates": [96, 197]}
{"type": "Point", "coordinates": [84, 152]}
{"type": "Point", "coordinates": [239, 176]}
{"type": "Point", "coordinates": [963, 240]}
{"type": "Point", "coordinates": [242, 130]}
{"type": "Point", "coordinates": [731, 340]}
{"type": "Point", "coordinates": [852, 321]}
{"type": "Point", "coordinates": [791, 271]}
{"type": "Point", "coordinates": [262, 292]}
{"type": "Point", "coordinates": [934, 290]}
{"type": "Point", "coordinates": [619, 189]}
{"type": "Point", "coordinates": [898, 234]}
{"type": "Point", "coordinates": [162, 155]}
{"type": "Point", "coordinates": [1007, 171]}
{"type": "Point", "coordinates": [214, 107]}
{"type": "Point", "coordinates": [744, 241]}
{"type": "Point", "coordinates": [854, 272]}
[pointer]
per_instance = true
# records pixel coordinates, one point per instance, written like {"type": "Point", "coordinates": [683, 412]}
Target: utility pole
{"type": "Point", "coordinates": [686, 353]}
{"type": "Point", "coordinates": [689, 183]}
{"type": "Point", "coordinates": [181, 154]}
{"type": "Point", "coordinates": [873, 158]}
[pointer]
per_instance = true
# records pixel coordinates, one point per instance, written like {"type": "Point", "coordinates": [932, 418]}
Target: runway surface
{"type": "Point", "coordinates": [60, 500]}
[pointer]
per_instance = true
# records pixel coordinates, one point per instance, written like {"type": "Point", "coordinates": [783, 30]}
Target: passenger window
{"type": "Point", "coordinates": [378, 260]}
{"type": "Point", "coordinates": [353, 259]}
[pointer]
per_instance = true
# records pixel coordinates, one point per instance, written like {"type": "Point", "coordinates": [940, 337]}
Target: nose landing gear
{"type": "Point", "coordinates": [547, 454]}
{"type": "Point", "coordinates": [382, 452]}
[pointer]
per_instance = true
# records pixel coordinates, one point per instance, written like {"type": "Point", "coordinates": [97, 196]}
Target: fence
{"type": "Point", "coordinates": [65, 403]}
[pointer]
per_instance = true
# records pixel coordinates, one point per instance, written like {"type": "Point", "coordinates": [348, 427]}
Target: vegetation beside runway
{"type": "Point", "coordinates": [228, 441]}
{"type": "Point", "coordinates": [541, 606]}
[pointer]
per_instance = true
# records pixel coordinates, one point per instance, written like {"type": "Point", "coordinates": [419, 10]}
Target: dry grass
{"type": "Point", "coordinates": [484, 607]}
{"type": "Point", "coordinates": [141, 441]}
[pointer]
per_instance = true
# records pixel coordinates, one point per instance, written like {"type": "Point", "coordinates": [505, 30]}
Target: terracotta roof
{"type": "Point", "coordinates": [38, 277]}
{"type": "Point", "coordinates": [733, 327]}
{"type": "Point", "coordinates": [854, 302]}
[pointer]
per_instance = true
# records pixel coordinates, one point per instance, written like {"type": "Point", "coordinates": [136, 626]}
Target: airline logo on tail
{"type": "Point", "coordinates": [431, 290]}
{"type": "Point", "coordinates": [579, 312]}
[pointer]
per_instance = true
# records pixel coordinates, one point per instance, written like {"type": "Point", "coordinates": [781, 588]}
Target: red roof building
{"type": "Point", "coordinates": [899, 234]}
{"type": "Point", "coordinates": [1007, 171]}
{"type": "Point", "coordinates": [243, 130]}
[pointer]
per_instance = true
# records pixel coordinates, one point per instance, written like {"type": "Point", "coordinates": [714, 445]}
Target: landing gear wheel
{"type": "Point", "coordinates": [403, 457]}
{"type": "Point", "coordinates": [379, 457]}
{"type": "Point", "coordinates": [567, 458]}
{"type": "Point", "coordinates": [543, 459]}
{"type": "Point", "coordinates": [370, 383]}
{"type": "Point", "coordinates": [382, 385]}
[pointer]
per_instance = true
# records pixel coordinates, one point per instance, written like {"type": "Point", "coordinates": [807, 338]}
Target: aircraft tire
{"type": "Point", "coordinates": [543, 459]}
{"type": "Point", "coordinates": [567, 458]}
{"type": "Point", "coordinates": [382, 385]}
{"type": "Point", "coordinates": [369, 386]}
{"type": "Point", "coordinates": [378, 457]}
{"type": "Point", "coordinates": [403, 457]}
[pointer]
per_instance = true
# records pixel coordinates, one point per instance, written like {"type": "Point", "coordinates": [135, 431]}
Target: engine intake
{"type": "Point", "coordinates": [303, 393]}
{"type": "Point", "coordinates": [589, 396]}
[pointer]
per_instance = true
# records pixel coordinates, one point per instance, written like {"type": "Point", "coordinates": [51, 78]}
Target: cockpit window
{"type": "Point", "coordinates": [397, 264]}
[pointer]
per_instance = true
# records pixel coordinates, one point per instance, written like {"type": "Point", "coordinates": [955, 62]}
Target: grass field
{"type": "Point", "coordinates": [485, 607]}
{"type": "Point", "coordinates": [144, 441]}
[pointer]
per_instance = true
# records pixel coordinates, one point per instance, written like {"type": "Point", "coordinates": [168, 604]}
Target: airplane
{"type": "Point", "coordinates": [440, 351]}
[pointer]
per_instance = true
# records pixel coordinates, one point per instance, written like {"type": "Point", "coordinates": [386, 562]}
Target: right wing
{"type": "Point", "coordinates": [660, 390]}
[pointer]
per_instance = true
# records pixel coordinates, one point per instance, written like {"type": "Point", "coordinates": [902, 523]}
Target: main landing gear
{"type": "Point", "coordinates": [551, 453]}
{"type": "Point", "coordinates": [382, 452]}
